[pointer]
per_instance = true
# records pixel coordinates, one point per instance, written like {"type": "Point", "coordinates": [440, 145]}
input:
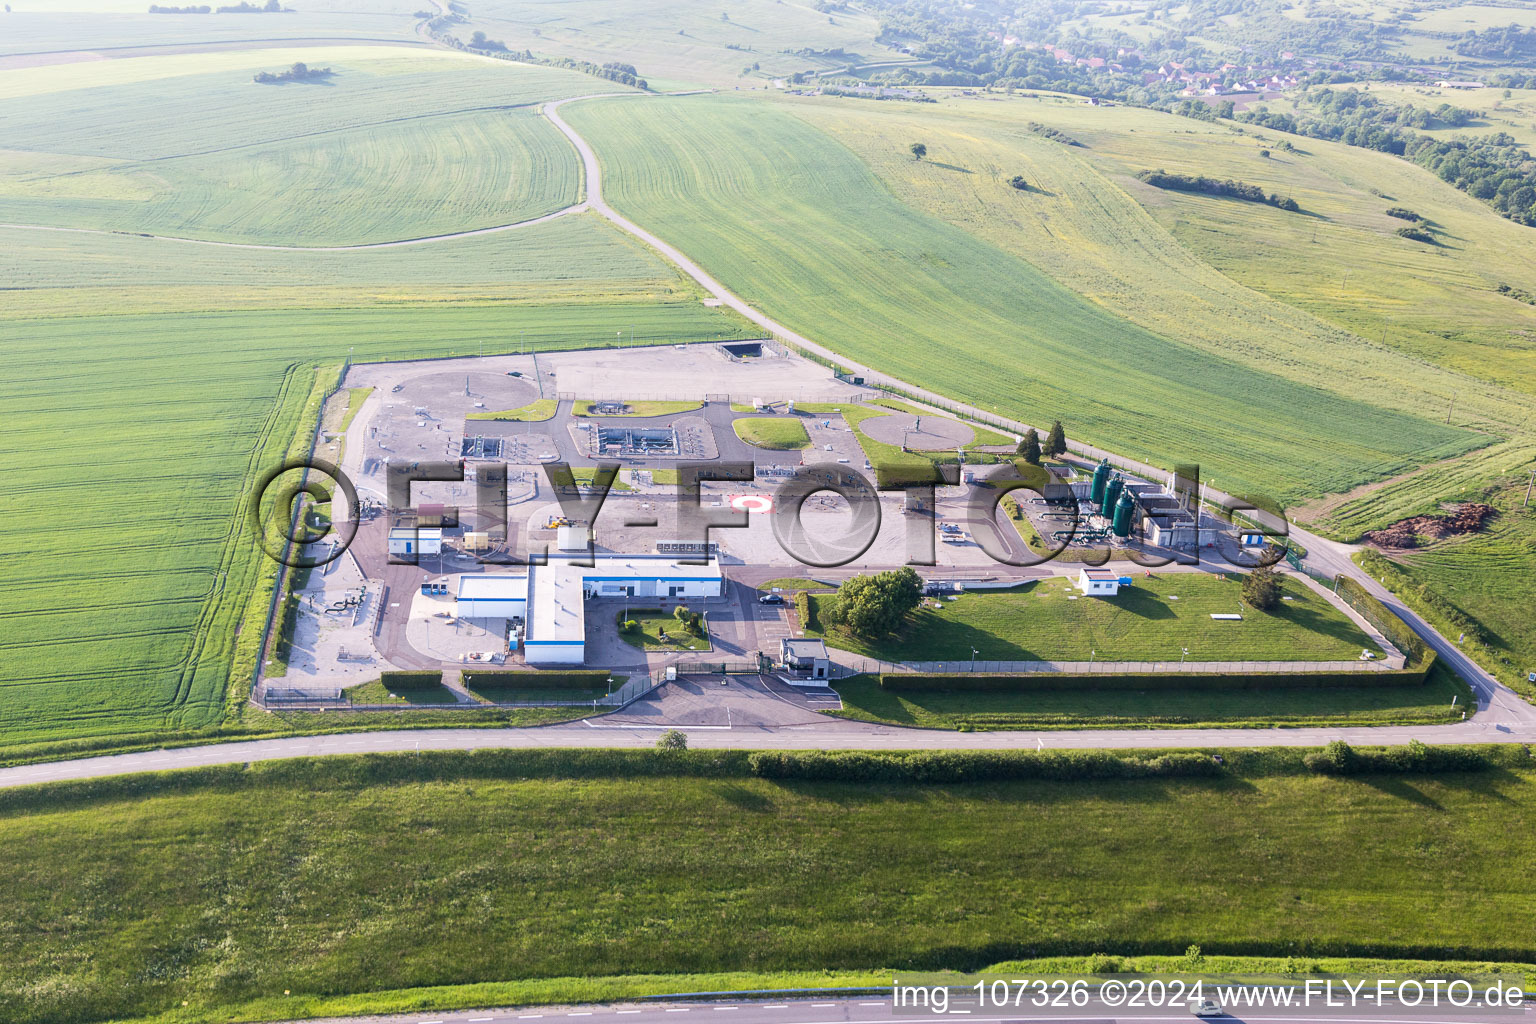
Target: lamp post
{"type": "Point", "coordinates": [974, 652]}
{"type": "Point", "coordinates": [1184, 655]}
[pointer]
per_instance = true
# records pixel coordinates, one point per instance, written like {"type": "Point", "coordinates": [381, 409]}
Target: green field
{"type": "Point", "coordinates": [802, 229]}
{"type": "Point", "coordinates": [652, 622]}
{"type": "Point", "coordinates": [1152, 620]}
{"type": "Point", "coordinates": [776, 433]}
{"type": "Point", "coordinates": [535, 411]}
{"type": "Point", "coordinates": [1259, 708]}
{"type": "Point", "coordinates": [585, 407]}
{"type": "Point", "coordinates": [361, 875]}
{"type": "Point", "coordinates": [423, 146]}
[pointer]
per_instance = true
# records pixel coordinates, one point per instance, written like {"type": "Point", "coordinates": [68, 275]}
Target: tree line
{"type": "Point", "coordinates": [1216, 187]}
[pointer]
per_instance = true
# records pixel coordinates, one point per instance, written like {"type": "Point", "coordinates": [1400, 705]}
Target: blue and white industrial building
{"type": "Point", "coordinates": [551, 598]}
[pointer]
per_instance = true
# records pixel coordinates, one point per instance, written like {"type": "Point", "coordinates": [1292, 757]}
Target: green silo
{"type": "Point", "coordinates": [1100, 479]}
{"type": "Point", "coordinates": [1111, 495]}
{"type": "Point", "coordinates": [1125, 510]}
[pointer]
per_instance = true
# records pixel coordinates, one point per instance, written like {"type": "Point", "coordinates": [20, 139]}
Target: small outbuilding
{"type": "Point", "coordinates": [802, 654]}
{"type": "Point", "coordinates": [493, 596]}
{"type": "Point", "coordinates": [1101, 582]}
{"type": "Point", "coordinates": [410, 541]}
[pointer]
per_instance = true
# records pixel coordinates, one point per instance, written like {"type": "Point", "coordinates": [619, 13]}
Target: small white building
{"type": "Point", "coordinates": [413, 540]}
{"type": "Point", "coordinates": [1100, 582]}
{"type": "Point", "coordinates": [807, 655]}
{"type": "Point", "coordinates": [573, 538]}
{"type": "Point", "coordinates": [493, 596]}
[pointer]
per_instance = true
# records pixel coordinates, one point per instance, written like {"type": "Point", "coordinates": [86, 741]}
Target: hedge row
{"type": "Point", "coordinates": [574, 679]}
{"type": "Point", "coordinates": [394, 682]}
{"type": "Point", "coordinates": [1044, 681]}
{"type": "Point", "coordinates": [1339, 758]}
{"type": "Point", "coordinates": [950, 766]}
{"type": "Point", "coordinates": [358, 771]}
{"type": "Point", "coordinates": [1379, 615]}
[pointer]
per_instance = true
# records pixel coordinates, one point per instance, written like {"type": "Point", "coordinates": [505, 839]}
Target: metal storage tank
{"type": "Point", "coordinates": [1111, 495]}
{"type": "Point", "coordinates": [1125, 511]}
{"type": "Point", "coordinates": [1100, 479]}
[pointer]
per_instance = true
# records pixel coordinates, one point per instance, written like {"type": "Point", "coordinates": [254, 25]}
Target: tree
{"type": "Point", "coordinates": [1056, 441]}
{"type": "Point", "coordinates": [919, 150]}
{"type": "Point", "coordinates": [1018, 182]}
{"type": "Point", "coordinates": [1264, 153]}
{"type": "Point", "coordinates": [1261, 588]}
{"type": "Point", "coordinates": [672, 739]}
{"type": "Point", "coordinates": [1030, 447]}
{"type": "Point", "coordinates": [873, 606]}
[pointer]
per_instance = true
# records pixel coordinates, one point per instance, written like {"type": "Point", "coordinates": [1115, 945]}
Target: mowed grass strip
{"type": "Point", "coordinates": [322, 880]}
{"type": "Point", "coordinates": [798, 226]}
{"type": "Point", "coordinates": [776, 433]}
{"type": "Point", "coordinates": [1152, 620]}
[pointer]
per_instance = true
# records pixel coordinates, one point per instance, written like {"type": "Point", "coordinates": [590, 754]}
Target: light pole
{"type": "Point", "coordinates": [974, 652]}
{"type": "Point", "coordinates": [1184, 655]}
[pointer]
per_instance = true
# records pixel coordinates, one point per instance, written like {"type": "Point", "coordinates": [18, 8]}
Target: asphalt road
{"type": "Point", "coordinates": [878, 1009]}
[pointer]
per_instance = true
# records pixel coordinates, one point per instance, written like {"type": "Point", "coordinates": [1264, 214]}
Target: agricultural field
{"type": "Point", "coordinates": [392, 146]}
{"type": "Point", "coordinates": [199, 366]}
{"type": "Point", "coordinates": [1152, 620]}
{"type": "Point", "coordinates": [229, 886]}
{"type": "Point", "coordinates": [56, 25]}
{"type": "Point", "coordinates": [676, 46]}
{"type": "Point", "coordinates": [1280, 707]}
{"type": "Point", "coordinates": [800, 227]}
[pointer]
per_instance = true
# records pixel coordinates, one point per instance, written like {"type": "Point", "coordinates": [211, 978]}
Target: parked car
{"type": "Point", "coordinates": [771, 599]}
{"type": "Point", "coordinates": [1205, 1008]}
{"type": "Point", "coordinates": [514, 373]}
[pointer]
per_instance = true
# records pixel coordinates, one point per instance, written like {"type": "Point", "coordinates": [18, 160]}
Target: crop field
{"type": "Point", "coordinates": [425, 148]}
{"type": "Point", "coordinates": [1150, 621]}
{"type": "Point", "coordinates": [802, 229]}
{"type": "Point", "coordinates": [110, 24]}
{"type": "Point", "coordinates": [677, 46]}
{"type": "Point", "coordinates": [254, 881]}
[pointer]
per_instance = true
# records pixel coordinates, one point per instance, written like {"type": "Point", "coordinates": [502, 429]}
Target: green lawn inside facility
{"type": "Point", "coordinates": [354, 875]}
{"type": "Point", "coordinates": [1427, 704]}
{"type": "Point", "coordinates": [652, 623]}
{"type": "Point", "coordinates": [777, 433]}
{"type": "Point", "coordinates": [539, 409]}
{"type": "Point", "coordinates": [586, 407]}
{"type": "Point", "coordinates": [1154, 619]}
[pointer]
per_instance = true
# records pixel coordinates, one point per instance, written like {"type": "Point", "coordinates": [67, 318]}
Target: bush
{"type": "Point", "coordinates": [394, 682]}
{"type": "Point", "coordinates": [1339, 758]}
{"type": "Point", "coordinates": [631, 626]}
{"type": "Point", "coordinates": [1402, 213]}
{"type": "Point", "coordinates": [1018, 182]}
{"type": "Point", "coordinates": [672, 739]}
{"type": "Point", "coordinates": [1417, 235]}
{"type": "Point", "coordinates": [1028, 682]}
{"type": "Point", "coordinates": [1261, 589]}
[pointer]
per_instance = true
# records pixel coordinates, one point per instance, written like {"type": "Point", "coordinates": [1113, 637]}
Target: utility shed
{"type": "Point", "coordinates": [412, 540]}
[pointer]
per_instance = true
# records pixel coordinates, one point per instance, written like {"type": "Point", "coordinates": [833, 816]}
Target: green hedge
{"type": "Point", "coordinates": [1339, 758]}
{"type": "Point", "coordinates": [394, 682]}
{"type": "Point", "coordinates": [1044, 681]}
{"type": "Point", "coordinates": [952, 766]}
{"type": "Point", "coordinates": [576, 679]}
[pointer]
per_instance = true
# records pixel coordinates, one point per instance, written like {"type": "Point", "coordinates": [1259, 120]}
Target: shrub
{"type": "Point", "coordinates": [631, 626]}
{"type": "Point", "coordinates": [1261, 589]}
{"type": "Point", "coordinates": [394, 682]}
{"type": "Point", "coordinates": [672, 739]}
{"type": "Point", "coordinates": [1029, 682]}
{"type": "Point", "coordinates": [1417, 235]}
{"type": "Point", "coordinates": [557, 679]}
{"type": "Point", "coordinates": [1339, 758]}
{"type": "Point", "coordinates": [1018, 182]}
{"type": "Point", "coordinates": [956, 766]}
{"type": "Point", "coordinates": [1402, 213]}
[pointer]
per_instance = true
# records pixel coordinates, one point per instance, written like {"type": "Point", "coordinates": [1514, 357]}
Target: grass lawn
{"type": "Point", "coordinates": [865, 701]}
{"type": "Point", "coordinates": [355, 875]}
{"type": "Point", "coordinates": [377, 693]}
{"type": "Point", "coordinates": [1152, 620]}
{"type": "Point", "coordinates": [796, 583]}
{"type": "Point", "coordinates": [539, 409]}
{"type": "Point", "coordinates": [777, 433]}
{"type": "Point", "coordinates": [583, 407]}
{"type": "Point", "coordinates": [652, 622]}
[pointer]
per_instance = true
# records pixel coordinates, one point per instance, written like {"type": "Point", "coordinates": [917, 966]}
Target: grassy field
{"type": "Point", "coordinates": [393, 146]}
{"type": "Point", "coordinates": [777, 433]}
{"type": "Point", "coordinates": [130, 901]}
{"type": "Point", "coordinates": [675, 46]}
{"type": "Point", "coordinates": [585, 407]}
{"type": "Point", "coordinates": [1429, 704]}
{"type": "Point", "coordinates": [535, 411]}
{"type": "Point", "coordinates": [1330, 299]}
{"type": "Point", "coordinates": [1490, 576]}
{"type": "Point", "coordinates": [801, 228]}
{"type": "Point", "coordinates": [107, 24]}
{"type": "Point", "coordinates": [1152, 620]}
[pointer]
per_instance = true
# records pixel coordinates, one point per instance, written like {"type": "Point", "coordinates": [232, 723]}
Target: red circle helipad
{"type": "Point", "coordinates": [752, 502]}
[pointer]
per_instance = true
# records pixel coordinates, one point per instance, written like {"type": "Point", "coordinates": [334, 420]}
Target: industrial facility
{"type": "Point", "coordinates": [551, 598]}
